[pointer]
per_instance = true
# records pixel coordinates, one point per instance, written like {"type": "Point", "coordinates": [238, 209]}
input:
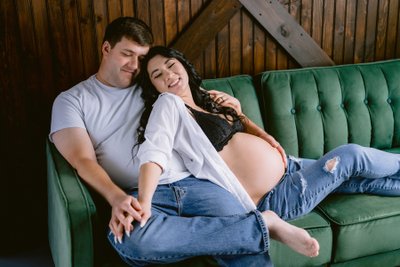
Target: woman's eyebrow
{"type": "Point", "coordinates": [151, 74]}
{"type": "Point", "coordinates": [166, 62]}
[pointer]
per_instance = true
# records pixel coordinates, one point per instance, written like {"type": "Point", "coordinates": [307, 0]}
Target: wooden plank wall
{"type": "Point", "coordinates": [49, 45]}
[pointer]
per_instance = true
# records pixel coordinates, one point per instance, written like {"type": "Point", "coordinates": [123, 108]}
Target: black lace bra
{"type": "Point", "coordinates": [218, 130]}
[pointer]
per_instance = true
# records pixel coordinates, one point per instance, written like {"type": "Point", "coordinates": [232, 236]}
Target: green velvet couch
{"type": "Point", "coordinates": [309, 111]}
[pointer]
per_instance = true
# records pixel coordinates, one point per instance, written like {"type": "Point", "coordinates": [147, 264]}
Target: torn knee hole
{"type": "Point", "coordinates": [331, 165]}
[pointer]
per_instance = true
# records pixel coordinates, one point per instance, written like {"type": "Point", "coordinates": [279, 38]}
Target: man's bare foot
{"type": "Point", "coordinates": [294, 237]}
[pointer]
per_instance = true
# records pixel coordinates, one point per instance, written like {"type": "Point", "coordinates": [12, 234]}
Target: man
{"type": "Point", "coordinates": [93, 126]}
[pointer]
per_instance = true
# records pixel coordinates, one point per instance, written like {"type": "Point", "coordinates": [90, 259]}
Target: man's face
{"type": "Point", "coordinates": [121, 63]}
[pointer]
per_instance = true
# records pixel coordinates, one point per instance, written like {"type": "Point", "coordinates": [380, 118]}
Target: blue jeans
{"type": "Point", "coordinates": [354, 169]}
{"type": "Point", "coordinates": [194, 217]}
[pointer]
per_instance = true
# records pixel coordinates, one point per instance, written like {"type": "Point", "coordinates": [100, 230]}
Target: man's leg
{"type": "Point", "coordinates": [192, 218]}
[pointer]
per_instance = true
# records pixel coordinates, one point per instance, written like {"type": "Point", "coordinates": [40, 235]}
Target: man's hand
{"type": "Point", "coordinates": [125, 209]}
{"type": "Point", "coordinates": [226, 100]}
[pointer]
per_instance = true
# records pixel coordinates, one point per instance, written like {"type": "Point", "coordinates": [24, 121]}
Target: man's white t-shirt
{"type": "Point", "coordinates": [111, 117]}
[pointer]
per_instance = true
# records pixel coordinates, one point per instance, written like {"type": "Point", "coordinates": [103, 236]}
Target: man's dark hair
{"type": "Point", "coordinates": [131, 28]}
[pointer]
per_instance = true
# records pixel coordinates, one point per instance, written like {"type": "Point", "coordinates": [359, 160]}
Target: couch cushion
{"type": "Point", "coordinates": [241, 87]}
{"type": "Point", "coordinates": [363, 225]}
{"type": "Point", "coordinates": [319, 228]}
{"type": "Point", "coordinates": [387, 259]}
{"type": "Point", "coordinates": [358, 103]}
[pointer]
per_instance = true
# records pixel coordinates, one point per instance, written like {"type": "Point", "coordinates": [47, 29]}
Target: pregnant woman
{"type": "Point", "coordinates": [186, 130]}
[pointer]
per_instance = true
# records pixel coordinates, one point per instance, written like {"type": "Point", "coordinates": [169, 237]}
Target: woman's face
{"type": "Point", "coordinates": [168, 75]}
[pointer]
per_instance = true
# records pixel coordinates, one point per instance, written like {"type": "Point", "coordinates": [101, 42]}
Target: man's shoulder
{"type": "Point", "coordinates": [80, 87]}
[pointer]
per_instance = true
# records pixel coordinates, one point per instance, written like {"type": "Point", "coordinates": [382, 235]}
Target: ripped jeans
{"type": "Point", "coordinates": [346, 169]}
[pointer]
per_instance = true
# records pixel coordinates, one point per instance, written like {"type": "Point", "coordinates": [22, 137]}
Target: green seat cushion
{"type": "Point", "coordinates": [320, 229]}
{"type": "Point", "coordinates": [388, 259]}
{"type": "Point", "coordinates": [241, 87]}
{"type": "Point", "coordinates": [362, 224]}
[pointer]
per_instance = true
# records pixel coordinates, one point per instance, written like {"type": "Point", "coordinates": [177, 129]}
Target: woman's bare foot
{"type": "Point", "coordinates": [296, 238]}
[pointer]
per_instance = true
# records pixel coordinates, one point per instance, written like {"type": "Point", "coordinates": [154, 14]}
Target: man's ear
{"type": "Point", "coordinates": [106, 47]}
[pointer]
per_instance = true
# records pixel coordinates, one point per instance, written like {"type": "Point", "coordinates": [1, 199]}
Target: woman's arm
{"type": "Point", "coordinates": [227, 100]}
{"type": "Point", "coordinates": [155, 152]}
{"type": "Point", "coordinates": [148, 180]}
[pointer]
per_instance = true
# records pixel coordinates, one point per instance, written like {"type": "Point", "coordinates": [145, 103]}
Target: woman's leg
{"type": "Point", "coordinates": [300, 191]}
{"type": "Point", "coordinates": [189, 189]}
{"type": "Point", "coordinates": [387, 186]}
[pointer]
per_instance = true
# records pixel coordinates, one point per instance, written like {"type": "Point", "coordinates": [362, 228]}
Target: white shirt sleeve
{"type": "Point", "coordinates": [160, 132]}
{"type": "Point", "coordinates": [66, 113]}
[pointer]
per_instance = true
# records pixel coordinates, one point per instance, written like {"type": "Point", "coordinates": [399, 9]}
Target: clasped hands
{"type": "Point", "coordinates": [124, 211]}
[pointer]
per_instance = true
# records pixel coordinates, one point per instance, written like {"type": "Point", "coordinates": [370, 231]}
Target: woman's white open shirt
{"type": "Point", "coordinates": [173, 139]}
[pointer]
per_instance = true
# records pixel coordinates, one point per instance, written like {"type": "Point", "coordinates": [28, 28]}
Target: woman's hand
{"type": "Point", "coordinates": [146, 212]}
{"type": "Point", "coordinates": [125, 209]}
{"type": "Point", "coordinates": [226, 100]}
{"type": "Point", "coordinates": [271, 140]}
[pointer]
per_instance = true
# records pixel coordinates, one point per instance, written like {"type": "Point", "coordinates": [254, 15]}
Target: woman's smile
{"type": "Point", "coordinates": [174, 83]}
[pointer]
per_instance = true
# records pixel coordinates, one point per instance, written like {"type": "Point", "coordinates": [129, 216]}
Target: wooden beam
{"type": "Point", "coordinates": [287, 32]}
{"type": "Point", "coordinates": [205, 27]}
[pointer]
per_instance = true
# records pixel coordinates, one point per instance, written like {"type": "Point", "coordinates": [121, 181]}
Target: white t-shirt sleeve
{"type": "Point", "coordinates": [160, 132]}
{"type": "Point", "coordinates": [66, 113]}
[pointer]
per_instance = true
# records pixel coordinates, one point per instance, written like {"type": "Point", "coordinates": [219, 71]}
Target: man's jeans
{"type": "Point", "coordinates": [347, 169]}
{"type": "Point", "coordinates": [194, 217]}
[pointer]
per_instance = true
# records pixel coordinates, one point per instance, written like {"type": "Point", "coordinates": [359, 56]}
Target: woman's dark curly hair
{"type": "Point", "coordinates": [150, 94]}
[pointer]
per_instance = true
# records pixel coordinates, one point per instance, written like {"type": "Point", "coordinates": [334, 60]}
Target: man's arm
{"type": "Point", "coordinates": [75, 146]}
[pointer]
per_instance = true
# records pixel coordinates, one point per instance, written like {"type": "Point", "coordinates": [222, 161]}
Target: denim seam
{"type": "Point", "coordinates": [371, 186]}
{"type": "Point", "coordinates": [177, 198]}
{"type": "Point", "coordinates": [264, 229]}
{"type": "Point", "coordinates": [188, 255]}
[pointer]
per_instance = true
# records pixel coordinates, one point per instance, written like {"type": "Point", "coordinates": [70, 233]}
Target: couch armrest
{"type": "Point", "coordinates": [70, 213]}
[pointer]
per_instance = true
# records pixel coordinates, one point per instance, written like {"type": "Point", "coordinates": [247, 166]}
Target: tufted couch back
{"type": "Point", "coordinates": [313, 110]}
{"type": "Point", "coordinates": [241, 87]}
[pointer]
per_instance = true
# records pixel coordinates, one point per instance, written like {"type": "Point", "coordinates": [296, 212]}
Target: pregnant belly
{"type": "Point", "coordinates": [256, 164]}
